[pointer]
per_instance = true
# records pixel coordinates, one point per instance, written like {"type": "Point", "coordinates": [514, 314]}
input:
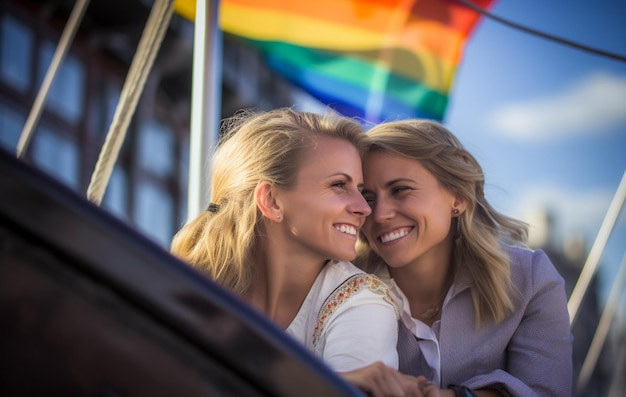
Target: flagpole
{"type": "Point", "coordinates": [205, 103]}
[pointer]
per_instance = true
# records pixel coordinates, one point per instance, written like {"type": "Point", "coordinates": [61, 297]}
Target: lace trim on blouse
{"type": "Point", "coordinates": [343, 292]}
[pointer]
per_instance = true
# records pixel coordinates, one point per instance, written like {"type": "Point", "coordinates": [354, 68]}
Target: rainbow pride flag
{"type": "Point", "coordinates": [374, 59]}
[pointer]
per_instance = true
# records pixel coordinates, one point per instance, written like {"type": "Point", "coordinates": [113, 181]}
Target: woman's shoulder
{"type": "Point", "coordinates": [342, 269]}
{"type": "Point", "coordinates": [346, 276]}
{"type": "Point", "coordinates": [524, 256]}
{"type": "Point", "coordinates": [530, 266]}
{"type": "Point", "coordinates": [357, 289]}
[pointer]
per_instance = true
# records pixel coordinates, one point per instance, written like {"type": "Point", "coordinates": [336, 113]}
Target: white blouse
{"type": "Point", "coordinates": [348, 324]}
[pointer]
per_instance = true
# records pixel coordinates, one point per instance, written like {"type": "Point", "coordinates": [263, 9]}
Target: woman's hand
{"type": "Point", "coordinates": [428, 389]}
{"type": "Point", "coordinates": [379, 380]}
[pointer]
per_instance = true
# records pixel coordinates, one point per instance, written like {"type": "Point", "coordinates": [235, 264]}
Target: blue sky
{"type": "Point", "coordinates": [547, 121]}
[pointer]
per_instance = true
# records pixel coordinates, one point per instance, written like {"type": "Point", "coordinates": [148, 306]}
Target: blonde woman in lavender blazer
{"type": "Point", "coordinates": [480, 314]}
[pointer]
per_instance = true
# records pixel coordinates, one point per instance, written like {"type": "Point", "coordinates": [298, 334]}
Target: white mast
{"type": "Point", "coordinates": [205, 102]}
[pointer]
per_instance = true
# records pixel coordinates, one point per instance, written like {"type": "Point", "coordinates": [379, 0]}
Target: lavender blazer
{"type": "Point", "coordinates": [528, 354]}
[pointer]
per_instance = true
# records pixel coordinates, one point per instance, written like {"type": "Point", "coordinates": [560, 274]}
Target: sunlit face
{"type": "Point", "coordinates": [411, 212]}
{"type": "Point", "coordinates": [324, 211]}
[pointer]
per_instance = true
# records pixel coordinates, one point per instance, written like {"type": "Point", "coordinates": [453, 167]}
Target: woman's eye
{"type": "Point", "coordinates": [369, 199]}
{"type": "Point", "coordinates": [339, 184]}
{"type": "Point", "coordinates": [399, 189]}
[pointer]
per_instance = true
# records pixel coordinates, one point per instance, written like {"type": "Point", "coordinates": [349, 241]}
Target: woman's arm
{"type": "Point", "coordinates": [540, 352]}
{"type": "Point", "coordinates": [359, 342]}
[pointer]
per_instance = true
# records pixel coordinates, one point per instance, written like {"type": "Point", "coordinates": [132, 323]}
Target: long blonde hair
{"type": "Point", "coordinates": [483, 230]}
{"type": "Point", "coordinates": [255, 147]}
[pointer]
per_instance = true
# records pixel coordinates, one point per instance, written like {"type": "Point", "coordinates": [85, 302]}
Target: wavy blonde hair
{"type": "Point", "coordinates": [483, 230]}
{"type": "Point", "coordinates": [254, 147]}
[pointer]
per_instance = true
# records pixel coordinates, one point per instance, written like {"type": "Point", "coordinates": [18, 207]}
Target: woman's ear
{"type": "Point", "coordinates": [265, 198]}
{"type": "Point", "coordinates": [460, 204]}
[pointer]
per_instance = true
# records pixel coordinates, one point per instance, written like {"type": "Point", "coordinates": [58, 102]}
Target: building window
{"type": "Point", "coordinates": [57, 155]}
{"type": "Point", "coordinates": [103, 104]}
{"type": "Point", "coordinates": [11, 124]}
{"type": "Point", "coordinates": [116, 195]}
{"type": "Point", "coordinates": [156, 148]}
{"type": "Point", "coordinates": [16, 53]}
{"type": "Point", "coordinates": [66, 95]}
{"type": "Point", "coordinates": [154, 212]}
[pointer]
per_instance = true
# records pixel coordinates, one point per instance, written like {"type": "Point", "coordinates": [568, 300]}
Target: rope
{"type": "Point", "coordinates": [64, 44]}
{"type": "Point", "coordinates": [148, 46]}
{"type": "Point", "coordinates": [546, 36]}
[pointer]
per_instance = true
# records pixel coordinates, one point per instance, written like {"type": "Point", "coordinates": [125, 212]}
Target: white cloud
{"type": "Point", "coordinates": [591, 105]}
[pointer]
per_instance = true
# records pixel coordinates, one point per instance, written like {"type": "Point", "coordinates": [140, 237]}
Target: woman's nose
{"type": "Point", "coordinates": [359, 205]}
{"type": "Point", "coordinates": [381, 210]}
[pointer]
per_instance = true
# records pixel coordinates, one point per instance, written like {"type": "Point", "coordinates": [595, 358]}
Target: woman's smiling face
{"type": "Point", "coordinates": [411, 212]}
{"type": "Point", "coordinates": [325, 210]}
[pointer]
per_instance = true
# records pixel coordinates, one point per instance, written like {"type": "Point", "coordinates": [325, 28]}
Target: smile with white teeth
{"type": "Point", "coordinates": [396, 234]}
{"type": "Point", "coordinates": [347, 229]}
